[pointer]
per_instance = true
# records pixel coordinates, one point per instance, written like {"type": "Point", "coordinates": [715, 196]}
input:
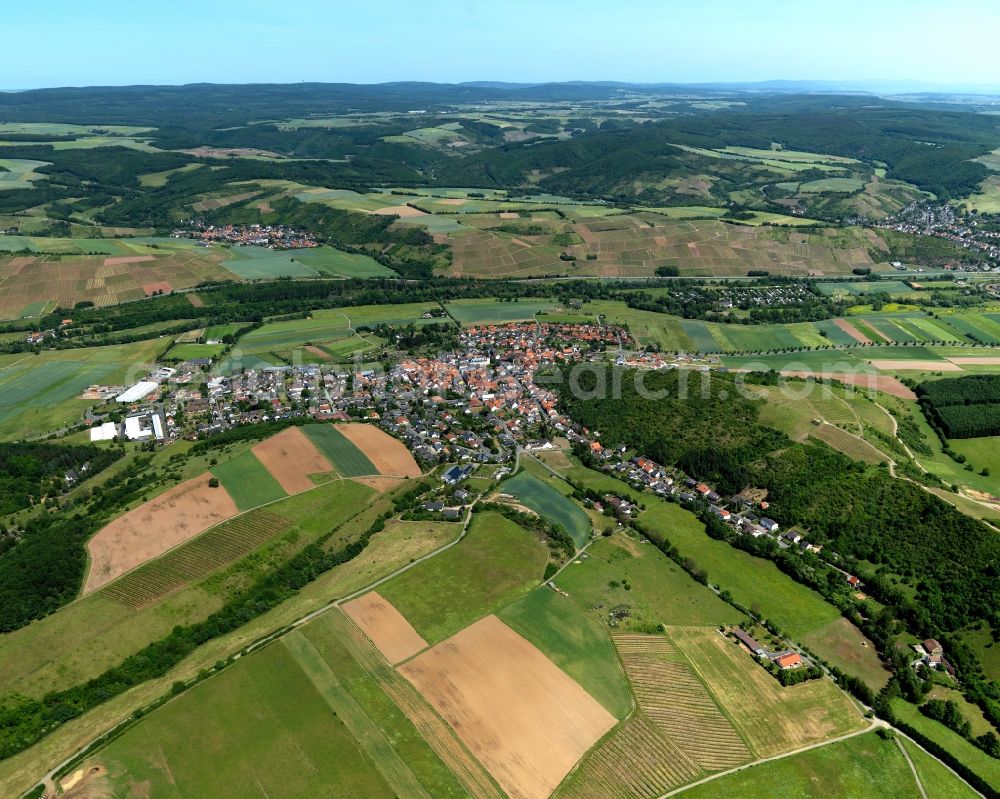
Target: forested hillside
{"type": "Point", "coordinates": [30, 472]}
{"type": "Point", "coordinates": [860, 512]}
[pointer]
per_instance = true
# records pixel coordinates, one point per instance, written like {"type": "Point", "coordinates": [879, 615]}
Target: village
{"type": "Point", "coordinates": [472, 409]}
{"type": "Point", "coordinates": [274, 237]}
{"type": "Point", "coordinates": [978, 233]}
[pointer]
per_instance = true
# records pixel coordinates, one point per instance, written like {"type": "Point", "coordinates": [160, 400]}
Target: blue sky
{"type": "Point", "coordinates": [73, 43]}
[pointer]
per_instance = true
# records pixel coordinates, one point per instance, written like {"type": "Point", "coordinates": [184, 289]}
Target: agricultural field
{"type": "Point", "coordinates": [622, 573]}
{"type": "Point", "coordinates": [221, 545]}
{"type": "Point", "coordinates": [772, 719]}
{"type": "Point", "coordinates": [494, 564]}
{"type": "Point", "coordinates": [19, 173]}
{"type": "Point", "coordinates": [635, 245]}
{"type": "Point", "coordinates": [862, 766]}
{"type": "Point", "coordinates": [537, 494]}
{"type": "Point", "coordinates": [188, 352]}
{"type": "Point", "coordinates": [39, 393]}
{"type": "Point", "coordinates": [525, 720]}
{"type": "Point", "coordinates": [124, 269]}
{"type": "Point", "coordinates": [692, 721]}
{"type": "Point", "coordinates": [260, 263]}
{"type": "Point", "coordinates": [292, 459]}
{"type": "Point", "coordinates": [575, 642]}
{"type": "Point", "coordinates": [292, 744]}
{"type": "Point", "coordinates": [388, 455]}
{"type": "Point", "coordinates": [156, 526]}
{"type": "Point", "coordinates": [340, 451]}
{"type": "Point", "coordinates": [192, 580]}
{"type": "Point", "coordinates": [474, 312]}
{"type": "Point", "coordinates": [392, 635]}
{"type": "Point", "coordinates": [247, 481]}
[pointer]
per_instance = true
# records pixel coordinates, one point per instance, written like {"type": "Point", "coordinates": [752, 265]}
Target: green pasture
{"type": "Point", "coordinates": [496, 563]}
{"type": "Point", "coordinates": [536, 493]}
{"type": "Point", "coordinates": [260, 728]}
{"type": "Point", "coordinates": [186, 352]}
{"type": "Point", "coordinates": [247, 481]}
{"type": "Point", "coordinates": [962, 750]}
{"type": "Point", "coordinates": [863, 767]}
{"type": "Point", "coordinates": [575, 642]}
{"type": "Point", "coordinates": [346, 458]}
{"type": "Point", "coordinates": [620, 571]}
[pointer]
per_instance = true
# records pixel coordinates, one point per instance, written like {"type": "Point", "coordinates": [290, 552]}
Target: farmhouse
{"type": "Point", "coordinates": [788, 660]}
{"type": "Point", "coordinates": [749, 642]}
{"type": "Point", "coordinates": [933, 652]}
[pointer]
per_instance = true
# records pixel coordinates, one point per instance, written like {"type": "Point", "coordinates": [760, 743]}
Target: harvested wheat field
{"type": "Point", "coordinates": [977, 360]}
{"type": "Point", "coordinates": [386, 453]}
{"type": "Point", "coordinates": [400, 211]}
{"type": "Point", "coordinates": [903, 364]}
{"type": "Point", "coordinates": [290, 457]}
{"type": "Point", "coordinates": [385, 626]}
{"type": "Point", "coordinates": [852, 331]}
{"type": "Point", "coordinates": [522, 716]}
{"type": "Point", "coordinates": [148, 531]}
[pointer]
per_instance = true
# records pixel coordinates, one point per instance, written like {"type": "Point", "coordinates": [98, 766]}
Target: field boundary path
{"type": "Point", "coordinates": [913, 768]}
{"type": "Point", "coordinates": [919, 465]}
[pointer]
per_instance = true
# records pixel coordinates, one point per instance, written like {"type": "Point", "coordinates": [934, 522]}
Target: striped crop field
{"type": "Point", "coordinates": [677, 735]}
{"type": "Point", "coordinates": [220, 546]}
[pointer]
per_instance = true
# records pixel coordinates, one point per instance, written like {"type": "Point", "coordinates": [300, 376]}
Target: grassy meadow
{"type": "Point", "coordinates": [495, 563]}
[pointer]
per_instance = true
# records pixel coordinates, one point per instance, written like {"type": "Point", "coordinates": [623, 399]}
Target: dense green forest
{"type": "Point", "coordinates": [931, 150]}
{"type": "Point", "coordinates": [712, 433]}
{"type": "Point", "coordinates": [31, 472]}
{"type": "Point", "coordinates": [963, 407]}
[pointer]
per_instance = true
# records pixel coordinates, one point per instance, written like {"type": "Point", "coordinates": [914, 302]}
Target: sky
{"type": "Point", "coordinates": [114, 42]}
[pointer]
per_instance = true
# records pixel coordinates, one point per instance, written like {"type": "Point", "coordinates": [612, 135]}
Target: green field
{"type": "Point", "coordinates": [472, 312]}
{"type": "Point", "coordinates": [863, 767]}
{"type": "Point", "coordinates": [755, 583]}
{"type": "Point", "coordinates": [385, 734]}
{"type": "Point", "coordinates": [495, 563]}
{"type": "Point", "coordinates": [260, 263]}
{"type": "Point", "coordinates": [247, 481]}
{"type": "Point", "coordinates": [974, 758]}
{"type": "Point", "coordinates": [620, 572]}
{"type": "Point", "coordinates": [38, 392]}
{"type": "Point", "coordinates": [346, 458]}
{"type": "Point", "coordinates": [187, 352]}
{"type": "Point", "coordinates": [575, 642]}
{"type": "Point", "coordinates": [537, 493]}
{"type": "Point", "coordinates": [260, 728]}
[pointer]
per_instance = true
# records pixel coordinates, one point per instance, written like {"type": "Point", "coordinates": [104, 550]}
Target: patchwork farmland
{"type": "Point", "coordinates": [223, 544]}
{"type": "Point", "coordinates": [634, 245]}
